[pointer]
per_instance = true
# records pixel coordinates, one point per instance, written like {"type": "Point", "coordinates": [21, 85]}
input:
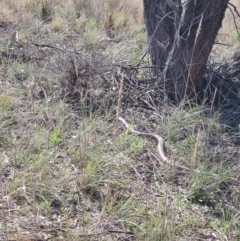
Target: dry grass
{"type": "Point", "coordinates": [228, 34]}
{"type": "Point", "coordinates": [68, 172]}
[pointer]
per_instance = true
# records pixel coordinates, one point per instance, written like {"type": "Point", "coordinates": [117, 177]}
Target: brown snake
{"type": "Point", "coordinates": [160, 149]}
{"type": "Point", "coordinates": [160, 143]}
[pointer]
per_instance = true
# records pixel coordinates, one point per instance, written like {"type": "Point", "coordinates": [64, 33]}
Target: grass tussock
{"type": "Point", "coordinates": [69, 170]}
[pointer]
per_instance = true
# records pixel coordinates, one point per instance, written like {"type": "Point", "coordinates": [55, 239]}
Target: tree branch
{"type": "Point", "coordinates": [235, 23]}
{"type": "Point", "coordinates": [174, 7]}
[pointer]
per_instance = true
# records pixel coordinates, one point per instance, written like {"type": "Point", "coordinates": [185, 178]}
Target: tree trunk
{"type": "Point", "coordinates": [181, 37]}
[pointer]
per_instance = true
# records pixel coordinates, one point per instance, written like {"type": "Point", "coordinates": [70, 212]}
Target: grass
{"type": "Point", "coordinates": [68, 170]}
{"type": "Point", "coordinates": [228, 34]}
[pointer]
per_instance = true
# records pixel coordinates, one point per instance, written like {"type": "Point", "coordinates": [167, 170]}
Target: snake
{"type": "Point", "coordinates": [160, 144]}
{"type": "Point", "coordinates": [160, 149]}
{"type": "Point", "coordinates": [158, 139]}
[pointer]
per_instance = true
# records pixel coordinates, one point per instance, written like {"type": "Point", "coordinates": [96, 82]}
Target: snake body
{"type": "Point", "coordinates": [160, 149]}
{"type": "Point", "coordinates": [160, 143]}
{"type": "Point", "coordinates": [158, 139]}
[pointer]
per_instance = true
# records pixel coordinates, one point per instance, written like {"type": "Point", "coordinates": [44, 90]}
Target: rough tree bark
{"type": "Point", "coordinates": [181, 35]}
